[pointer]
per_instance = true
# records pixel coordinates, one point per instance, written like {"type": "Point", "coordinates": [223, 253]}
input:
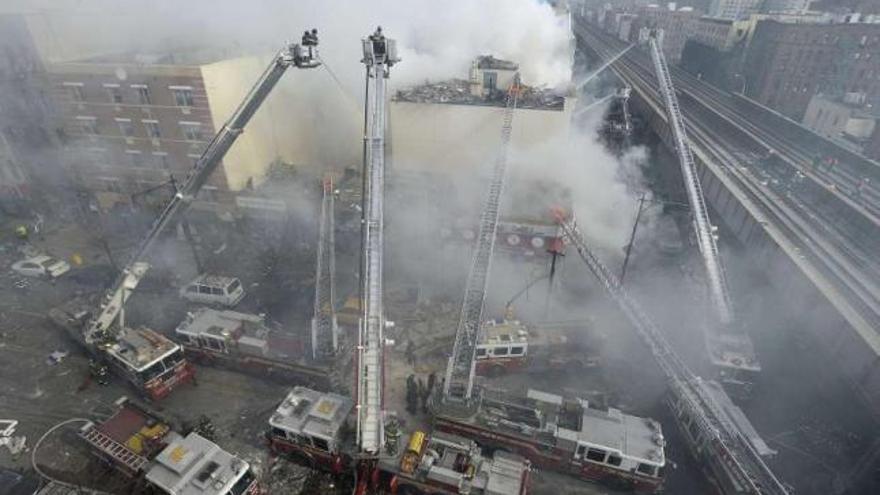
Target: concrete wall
{"type": "Point", "coordinates": [300, 122]}
{"type": "Point", "coordinates": [445, 137]}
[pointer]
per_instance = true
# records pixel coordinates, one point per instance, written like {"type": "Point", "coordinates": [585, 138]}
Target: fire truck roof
{"type": "Point", "coordinates": [503, 332]}
{"type": "Point", "coordinates": [195, 465]}
{"type": "Point", "coordinates": [217, 323]}
{"type": "Point", "coordinates": [140, 348]}
{"type": "Point", "coordinates": [635, 437]}
{"type": "Point", "coordinates": [308, 412]}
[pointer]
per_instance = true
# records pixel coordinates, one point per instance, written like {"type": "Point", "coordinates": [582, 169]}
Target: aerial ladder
{"type": "Point", "coordinates": [380, 53]}
{"type": "Point", "coordinates": [101, 329]}
{"type": "Point", "coordinates": [730, 456]}
{"type": "Point", "coordinates": [733, 351]}
{"type": "Point", "coordinates": [325, 332]}
{"type": "Point", "coordinates": [460, 370]}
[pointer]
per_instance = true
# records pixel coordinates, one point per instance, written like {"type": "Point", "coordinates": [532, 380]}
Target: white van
{"type": "Point", "coordinates": [214, 290]}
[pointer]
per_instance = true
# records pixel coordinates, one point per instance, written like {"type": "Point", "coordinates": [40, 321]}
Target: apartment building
{"type": "Point", "coordinates": [787, 64]}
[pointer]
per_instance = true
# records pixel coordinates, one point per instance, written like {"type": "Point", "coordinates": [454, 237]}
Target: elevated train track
{"type": "Point", "coordinates": [831, 237]}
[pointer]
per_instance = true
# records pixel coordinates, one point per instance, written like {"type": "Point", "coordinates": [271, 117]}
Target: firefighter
{"type": "Point", "coordinates": [99, 372]}
{"type": "Point", "coordinates": [412, 395]}
{"type": "Point", "coordinates": [411, 353]}
{"type": "Point", "coordinates": [21, 232]}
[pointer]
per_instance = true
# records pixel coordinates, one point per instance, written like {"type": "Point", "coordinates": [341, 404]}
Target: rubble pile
{"type": "Point", "coordinates": [457, 91]}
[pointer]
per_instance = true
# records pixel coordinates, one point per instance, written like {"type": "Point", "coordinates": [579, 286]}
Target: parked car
{"type": "Point", "coordinates": [214, 290]}
{"type": "Point", "coordinates": [41, 267]}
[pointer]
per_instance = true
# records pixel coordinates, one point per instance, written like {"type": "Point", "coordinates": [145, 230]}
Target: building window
{"type": "Point", "coordinates": [76, 91]}
{"type": "Point", "coordinates": [126, 128]}
{"type": "Point", "coordinates": [136, 157]}
{"type": "Point", "coordinates": [143, 94]}
{"type": "Point", "coordinates": [114, 93]}
{"type": "Point", "coordinates": [161, 160]}
{"type": "Point", "coordinates": [88, 125]}
{"type": "Point", "coordinates": [194, 159]}
{"type": "Point", "coordinates": [152, 127]}
{"type": "Point", "coordinates": [183, 95]}
{"type": "Point", "coordinates": [192, 131]}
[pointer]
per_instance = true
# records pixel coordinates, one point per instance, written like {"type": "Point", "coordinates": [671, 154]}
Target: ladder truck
{"type": "Point", "coordinates": [151, 362]}
{"type": "Point", "coordinates": [727, 448]}
{"type": "Point", "coordinates": [325, 331]}
{"type": "Point", "coordinates": [341, 435]}
{"type": "Point", "coordinates": [459, 382]}
{"type": "Point", "coordinates": [730, 349]}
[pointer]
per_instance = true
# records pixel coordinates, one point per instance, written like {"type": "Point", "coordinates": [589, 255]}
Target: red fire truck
{"type": "Point", "coordinates": [249, 343]}
{"type": "Point", "coordinates": [314, 428]}
{"type": "Point", "coordinates": [149, 361]}
{"type": "Point", "coordinates": [564, 435]}
{"type": "Point", "coordinates": [143, 447]}
{"type": "Point", "coordinates": [508, 345]}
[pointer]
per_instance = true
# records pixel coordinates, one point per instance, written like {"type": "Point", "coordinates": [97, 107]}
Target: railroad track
{"type": "Point", "coordinates": [833, 250]}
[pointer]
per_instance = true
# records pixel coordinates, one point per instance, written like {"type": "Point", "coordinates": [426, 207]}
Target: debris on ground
{"type": "Point", "coordinates": [15, 444]}
{"type": "Point", "coordinates": [56, 357]}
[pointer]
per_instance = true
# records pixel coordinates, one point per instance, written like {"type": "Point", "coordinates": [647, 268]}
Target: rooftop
{"type": "Point", "coordinates": [308, 412]}
{"type": "Point", "coordinates": [196, 466]}
{"type": "Point", "coordinates": [140, 348]}
{"type": "Point", "coordinates": [191, 56]}
{"type": "Point", "coordinates": [492, 63]}
{"type": "Point", "coordinates": [457, 92]}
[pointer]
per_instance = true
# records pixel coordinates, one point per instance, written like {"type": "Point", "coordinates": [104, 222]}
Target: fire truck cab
{"type": "Point", "coordinates": [311, 427]}
{"type": "Point", "coordinates": [150, 361]}
{"type": "Point", "coordinates": [734, 360]}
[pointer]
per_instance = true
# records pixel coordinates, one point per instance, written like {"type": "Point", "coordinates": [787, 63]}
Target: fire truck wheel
{"type": "Point", "coordinates": [495, 370]}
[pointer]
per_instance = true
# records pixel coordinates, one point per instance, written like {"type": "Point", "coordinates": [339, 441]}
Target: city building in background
{"type": "Point", "coordinates": [735, 9]}
{"type": "Point", "coordinates": [27, 120]}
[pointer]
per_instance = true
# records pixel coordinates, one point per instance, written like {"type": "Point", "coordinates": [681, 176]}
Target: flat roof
{"type": "Point", "coordinates": [308, 412]}
{"type": "Point", "coordinates": [213, 280]}
{"type": "Point", "coordinates": [195, 465]}
{"type": "Point", "coordinates": [141, 347]}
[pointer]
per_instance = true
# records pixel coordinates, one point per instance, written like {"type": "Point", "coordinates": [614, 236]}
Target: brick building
{"type": "Point", "coordinates": [133, 121]}
{"type": "Point", "coordinates": [787, 64]}
{"type": "Point", "coordinates": [676, 26]}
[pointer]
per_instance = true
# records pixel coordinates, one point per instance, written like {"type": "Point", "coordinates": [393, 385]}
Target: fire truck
{"type": "Point", "coordinates": [316, 429]}
{"type": "Point", "coordinates": [248, 343]}
{"type": "Point", "coordinates": [564, 435]}
{"type": "Point", "coordinates": [507, 345]}
{"type": "Point", "coordinates": [150, 362]}
{"type": "Point", "coordinates": [142, 446]}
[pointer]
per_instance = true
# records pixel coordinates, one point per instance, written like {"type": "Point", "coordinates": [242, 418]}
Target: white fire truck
{"type": "Point", "coordinates": [564, 435]}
